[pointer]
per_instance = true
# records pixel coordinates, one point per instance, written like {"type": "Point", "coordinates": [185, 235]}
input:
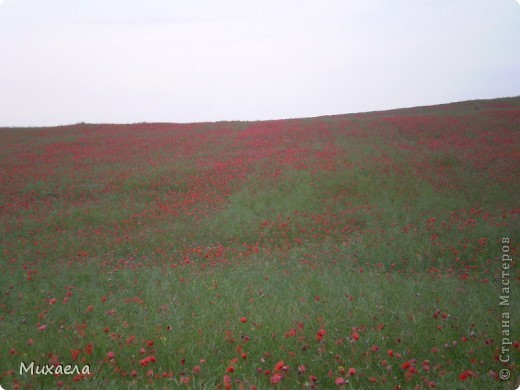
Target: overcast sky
{"type": "Point", "coordinates": [124, 61]}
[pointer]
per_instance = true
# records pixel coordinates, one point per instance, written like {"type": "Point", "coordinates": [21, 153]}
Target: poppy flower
{"type": "Point", "coordinates": [243, 320]}
{"type": "Point", "coordinates": [276, 378]}
{"type": "Point", "coordinates": [340, 381]}
{"type": "Point", "coordinates": [75, 353]}
{"type": "Point", "coordinates": [320, 334]}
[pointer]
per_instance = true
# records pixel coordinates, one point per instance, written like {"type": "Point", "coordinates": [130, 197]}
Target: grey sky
{"type": "Point", "coordinates": [120, 61]}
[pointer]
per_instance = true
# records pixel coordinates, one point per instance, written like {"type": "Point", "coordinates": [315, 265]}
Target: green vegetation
{"type": "Point", "coordinates": [360, 251]}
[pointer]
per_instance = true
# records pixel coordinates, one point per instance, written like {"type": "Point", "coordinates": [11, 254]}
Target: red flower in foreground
{"type": "Point", "coordinates": [227, 382]}
{"type": "Point", "coordinates": [280, 366]}
{"type": "Point", "coordinates": [243, 320]}
{"type": "Point", "coordinates": [320, 334]}
{"type": "Point", "coordinates": [147, 360]}
{"type": "Point", "coordinates": [75, 353]}
{"type": "Point", "coordinates": [340, 381]}
{"type": "Point", "coordinates": [276, 378]}
{"type": "Point", "coordinates": [230, 369]}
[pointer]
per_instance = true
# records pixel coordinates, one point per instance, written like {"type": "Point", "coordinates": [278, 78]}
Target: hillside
{"type": "Point", "coordinates": [361, 249]}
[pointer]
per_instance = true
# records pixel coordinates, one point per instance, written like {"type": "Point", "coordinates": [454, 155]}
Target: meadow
{"type": "Point", "coordinates": [352, 251]}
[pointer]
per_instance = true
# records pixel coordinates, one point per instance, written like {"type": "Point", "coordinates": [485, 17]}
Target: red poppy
{"type": "Point", "coordinates": [320, 334]}
{"type": "Point", "coordinates": [280, 366]}
{"type": "Point", "coordinates": [75, 353]}
{"type": "Point", "coordinates": [340, 381]}
{"type": "Point", "coordinates": [276, 378]}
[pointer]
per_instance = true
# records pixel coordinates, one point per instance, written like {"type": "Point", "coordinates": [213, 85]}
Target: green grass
{"type": "Point", "coordinates": [189, 320]}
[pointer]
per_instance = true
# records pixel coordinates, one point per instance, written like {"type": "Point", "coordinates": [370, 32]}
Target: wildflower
{"type": "Point", "coordinates": [276, 378]}
{"type": "Point", "coordinates": [465, 375]}
{"type": "Point", "coordinates": [280, 366]}
{"type": "Point", "coordinates": [340, 381]}
{"type": "Point", "coordinates": [75, 353]}
{"type": "Point", "coordinates": [227, 381]}
{"type": "Point", "coordinates": [230, 369]}
{"type": "Point", "coordinates": [243, 320]}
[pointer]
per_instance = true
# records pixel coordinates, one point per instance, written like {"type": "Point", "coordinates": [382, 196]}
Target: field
{"type": "Point", "coordinates": [371, 250]}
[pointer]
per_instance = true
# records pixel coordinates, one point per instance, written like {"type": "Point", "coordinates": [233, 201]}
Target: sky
{"type": "Point", "coordinates": [128, 61]}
